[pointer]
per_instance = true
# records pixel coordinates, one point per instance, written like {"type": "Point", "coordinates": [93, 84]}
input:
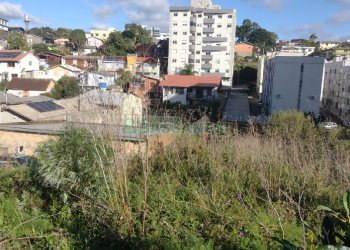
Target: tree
{"type": "Point", "coordinates": [78, 38]}
{"type": "Point", "coordinates": [45, 32]}
{"type": "Point", "coordinates": [66, 87]}
{"type": "Point", "coordinates": [137, 34]}
{"type": "Point", "coordinates": [123, 78]}
{"type": "Point", "coordinates": [17, 40]}
{"type": "Point", "coordinates": [187, 70]}
{"type": "Point", "coordinates": [41, 48]}
{"type": "Point", "coordinates": [116, 45]}
{"type": "Point", "coordinates": [263, 39]}
{"type": "Point", "coordinates": [3, 85]}
{"type": "Point", "coordinates": [63, 33]}
{"type": "Point", "coordinates": [313, 38]}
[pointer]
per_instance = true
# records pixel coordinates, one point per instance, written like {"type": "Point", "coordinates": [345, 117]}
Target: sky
{"type": "Point", "coordinates": [329, 19]}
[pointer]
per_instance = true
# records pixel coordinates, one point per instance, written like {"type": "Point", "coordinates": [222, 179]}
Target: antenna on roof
{"type": "Point", "coordinates": [26, 20]}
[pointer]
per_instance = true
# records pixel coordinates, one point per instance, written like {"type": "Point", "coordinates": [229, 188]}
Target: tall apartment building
{"type": "Point", "coordinates": [293, 83]}
{"type": "Point", "coordinates": [336, 92]}
{"type": "Point", "coordinates": [202, 35]}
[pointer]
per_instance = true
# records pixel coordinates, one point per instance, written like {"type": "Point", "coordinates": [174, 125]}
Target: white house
{"type": "Point", "coordinates": [293, 83]}
{"type": "Point", "coordinates": [55, 73]}
{"type": "Point", "coordinates": [186, 89]}
{"type": "Point", "coordinates": [94, 79]}
{"type": "Point", "coordinates": [27, 87]}
{"type": "Point", "coordinates": [13, 63]}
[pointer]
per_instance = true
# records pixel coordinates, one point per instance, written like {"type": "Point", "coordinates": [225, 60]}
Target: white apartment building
{"type": "Point", "coordinates": [293, 83]}
{"type": "Point", "coordinates": [4, 24]}
{"type": "Point", "coordinates": [336, 92]}
{"type": "Point", "coordinates": [202, 35]}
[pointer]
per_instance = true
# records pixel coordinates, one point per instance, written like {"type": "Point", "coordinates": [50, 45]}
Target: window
{"type": "Point", "coordinates": [14, 75]}
{"type": "Point", "coordinates": [175, 24]}
{"type": "Point", "coordinates": [198, 61]}
{"type": "Point", "coordinates": [175, 14]}
{"type": "Point", "coordinates": [229, 25]}
{"type": "Point", "coordinates": [199, 15]}
{"type": "Point", "coordinates": [217, 61]}
{"type": "Point", "coordinates": [96, 34]}
{"type": "Point", "coordinates": [183, 42]}
{"type": "Point", "coordinates": [229, 16]}
{"type": "Point", "coordinates": [199, 34]}
{"type": "Point", "coordinates": [219, 16]}
{"type": "Point", "coordinates": [198, 52]}
{"type": "Point", "coordinates": [227, 71]}
{"type": "Point", "coordinates": [11, 64]}
{"type": "Point", "coordinates": [180, 91]}
{"type": "Point", "coordinates": [184, 33]}
{"type": "Point", "coordinates": [174, 60]}
{"type": "Point", "coordinates": [185, 14]}
{"type": "Point", "coordinates": [104, 35]}
{"type": "Point", "coordinates": [217, 71]}
{"type": "Point", "coordinates": [219, 26]}
{"type": "Point", "coordinates": [184, 24]}
{"type": "Point", "coordinates": [30, 63]}
{"type": "Point", "coordinates": [175, 33]}
{"type": "Point", "coordinates": [175, 42]}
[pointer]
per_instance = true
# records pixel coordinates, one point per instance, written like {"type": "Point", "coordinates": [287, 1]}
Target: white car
{"type": "Point", "coordinates": [330, 125]}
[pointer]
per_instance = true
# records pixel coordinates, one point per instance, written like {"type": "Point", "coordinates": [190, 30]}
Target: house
{"type": "Point", "coordinates": [13, 63]}
{"type": "Point", "coordinates": [33, 39]}
{"type": "Point", "coordinates": [94, 42]}
{"type": "Point", "coordinates": [293, 83]}
{"type": "Point", "coordinates": [49, 58]}
{"type": "Point", "coordinates": [146, 88]}
{"type": "Point", "coordinates": [341, 51]}
{"type": "Point", "coordinates": [61, 42]}
{"type": "Point", "coordinates": [4, 24]}
{"type": "Point", "coordinates": [95, 79]}
{"type": "Point", "coordinates": [102, 34]}
{"type": "Point", "coordinates": [24, 87]}
{"type": "Point", "coordinates": [336, 91]}
{"type": "Point", "coordinates": [112, 63]}
{"type": "Point", "coordinates": [328, 45]}
{"type": "Point", "coordinates": [55, 73]}
{"type": "Point", "coordinates": [187, 89]}
{"type": "Point", "coordinates": [83, 62]}
{"type": "Point", "coordinates": [244, 49]}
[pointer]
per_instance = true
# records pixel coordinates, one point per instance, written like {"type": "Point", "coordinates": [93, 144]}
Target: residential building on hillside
{"type": "Point", "coordinates": [13, 63]}
{"type": "Point", "coordinates": [202, 35]}
{"type": "Point", "coordinates": [4, 24]}
{"type": "Point", "coordinates": [295, 50]}
{"type": "Point", "coordinates": [55, 73]}
{"type": "Point", "coordinates": [328, 45]}
{"type": "Point", "coordinates": [293, 83]}
{"type": "Point", "coordinates": [336, 92]}
{"type": "Point", "coordinates": [93, 80]}
{"type": "Point", "coordinates": [152, 31]}
{"type": "Point", "coordinates": [186, 89]}
{"type": "Point", "coordinates": [33, 39]}
{"type": "Point", "coordinates": [50, 59]}
{"type": "Point", "coordinates": [102, 34]}
{"type": "Point", "coordinates": [341, 51]}
{"type": "Point", "coordinates": [146, 88]}
{"type": "Point", "coordinates": [27, 87]}
{"type": "Point", "coordinates": [244, 49]}
{"type": "Point", "coordinates": [83, 62]}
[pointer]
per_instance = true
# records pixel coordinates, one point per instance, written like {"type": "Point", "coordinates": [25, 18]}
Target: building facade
{"type": "Point", "coordinates": [4, 24]}
{"type": "Point", "coordinates": [293, 83]}
{"type": "Point", "coordinates": [336, 92]}
{"type": "Point", "coordinates": [202, 35]}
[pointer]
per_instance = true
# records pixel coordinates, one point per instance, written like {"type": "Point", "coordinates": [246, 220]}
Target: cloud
{"type": "Point", "coordinates": [341, 1]}
{"type": "Point", "coordinates": [340, 17]}
{"type": "Point", "coordinates": [101, 26]}
{"type": "Point", "coordinates": [147, 12]}
{"type": "Point", "coordinates": [15, 11]}
{"type": "Point", "coordinates": [273, 5]}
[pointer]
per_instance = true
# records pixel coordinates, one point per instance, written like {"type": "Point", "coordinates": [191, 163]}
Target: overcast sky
{"type": "Point", "coordinates": [329, 19]}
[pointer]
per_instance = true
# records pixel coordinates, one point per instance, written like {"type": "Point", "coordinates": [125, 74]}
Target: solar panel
{"type": "Point", "coordinates": [9, 54]}
{"type": "Point", "coordinates": [46, 106]}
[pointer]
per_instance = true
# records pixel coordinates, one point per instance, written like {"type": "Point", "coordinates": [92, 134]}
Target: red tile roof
{"type": "Point", "coordinates": [142, 59]}
{"type": "Point", "coordinates": [29, 84]}
{"type": "Point", "coordinates": [186, 81]}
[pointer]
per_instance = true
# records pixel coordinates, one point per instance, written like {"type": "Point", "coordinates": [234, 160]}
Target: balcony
{"type": "Point", "coordinates": [214, 48]}
{"type": "Point", "coordinates": [192, 57]}
{"type": "Point", "coordinates": [208, 21]}
{"type": "Point", "coordinates": [200, 97]}
{"type": "Point", "coordinates": [207, 57]}
{"type": "Point", "coordinates": [207, 66]}
{"type": "Point", "coordinates": [214, 39]}
{"type": "Point", "coordinates": [192, 29]}
{"type": "Point", "coordinates": [192, 47]}
{"type": "Point", "coordinates": [208, 30]}
{"type": "Point", "coordinates": [192, 38]}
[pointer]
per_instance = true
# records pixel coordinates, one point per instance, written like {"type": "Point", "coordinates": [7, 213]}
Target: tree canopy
{"type": "Point", "coordinates": [66, 87]}
{"type": "Point", "coordinates": [252, 32]}
{"type": "Point", "coordinates": [122, 43]}
{"type": "Point", "coordinates": [187, 70]}
{"type": "Point", "coordinates": [17, 40]}
{"type": "Point", "coordinates": [78, 38]}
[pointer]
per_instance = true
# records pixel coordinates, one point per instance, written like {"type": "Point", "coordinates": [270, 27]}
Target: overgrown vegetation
{"type": "Point", "coordinates": [234, 191]}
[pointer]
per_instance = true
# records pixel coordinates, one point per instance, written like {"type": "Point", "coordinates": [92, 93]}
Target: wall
{"type": "Point", "coordinates": [282, 84]}
{"type": "Point", "coordinates": [169, 94]}
{"type": "Point", "coordinates": [30, 142]}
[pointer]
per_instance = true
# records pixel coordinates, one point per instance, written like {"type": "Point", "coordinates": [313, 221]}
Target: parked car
{"type": "Point", "coordinates": [330, 125]}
